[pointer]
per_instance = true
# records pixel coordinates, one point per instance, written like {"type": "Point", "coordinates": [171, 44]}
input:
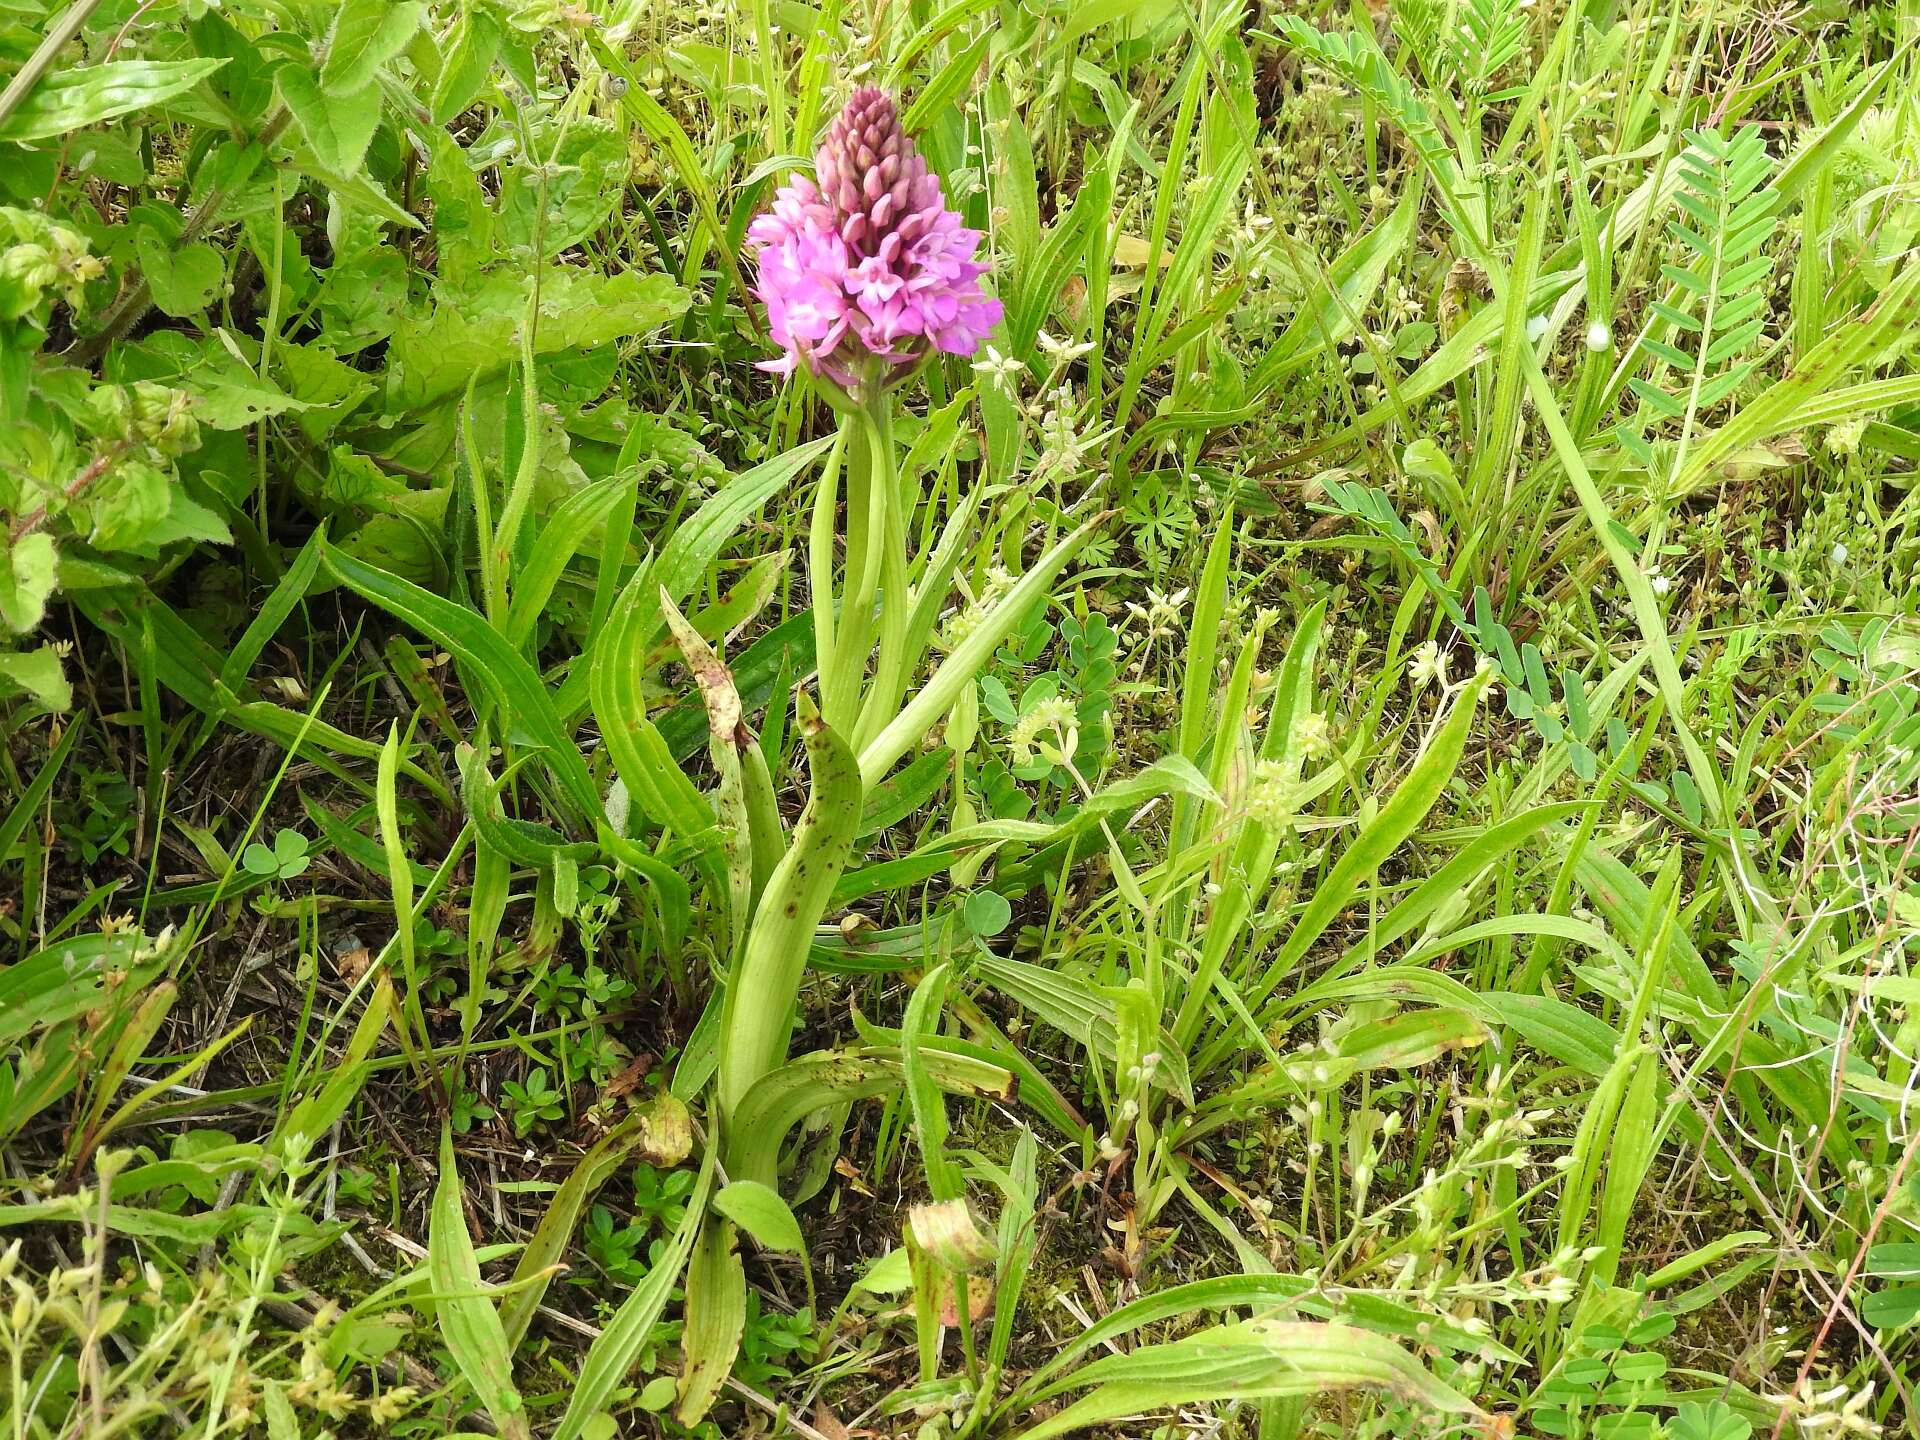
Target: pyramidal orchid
{"type": "Point", "coordinates": [865, 274]}
{"type": "Point", "coordinates": [864, 270]}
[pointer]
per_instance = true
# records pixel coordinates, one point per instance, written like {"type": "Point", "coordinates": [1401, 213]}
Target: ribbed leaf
{"type": "Point", "coordinates": [611, 1357]}
{"type": "Point", "coordinates": [468, 1322]}
{"type": "Point", "coordinates": [716, 1317]}
{"type": "Point", "coordinates": [1254, 1360]}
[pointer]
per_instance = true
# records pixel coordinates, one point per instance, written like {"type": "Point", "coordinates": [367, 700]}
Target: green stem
{"type": "Point", "coordinates": [866, 543]}
{"type": "Point", "coordinates": [820, 537]}
{"type": "Point", "coordinates": [890, 674]}
{"type": "Point", "coordinates": [133, 305]}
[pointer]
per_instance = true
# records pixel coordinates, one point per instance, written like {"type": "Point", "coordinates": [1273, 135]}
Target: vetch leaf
{"type": "Point", "coordinates": [1892, 1308]}
{"type": "Point", "coordinates": [987, 913]}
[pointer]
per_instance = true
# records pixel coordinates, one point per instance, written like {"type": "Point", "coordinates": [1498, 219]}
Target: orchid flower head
{"type": "Point", "coordinates": [863, 268]}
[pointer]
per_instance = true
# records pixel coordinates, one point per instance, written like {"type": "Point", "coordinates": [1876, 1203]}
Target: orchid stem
{"type": "Point", "coordinates": [866, 543]}
{"type": "Point", "coordinates": [890, 673]}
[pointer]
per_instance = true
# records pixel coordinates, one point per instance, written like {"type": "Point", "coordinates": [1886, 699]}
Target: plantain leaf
{"type": "Point", "coordinates": [611, 1356]}
{"type": "Point", "coordinates": [716, 1317]}
{"type": "Point", "coordinates": [924, 1100]}
{"type": "Point", "coordinates": [565, 534]}
{"type": "Point", "coordinates": [1259, 1292]}
{"type": "Point", "coordinates": [1254, 1360]}
{"type": "Point", "coordinates": [661, 1134]}
{"type": "Point", "coordinates": [468, 1322]}
{"type": "Point", "coordinates": [517, 692]}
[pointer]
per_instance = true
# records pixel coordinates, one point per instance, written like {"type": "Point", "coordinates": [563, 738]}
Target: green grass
{"type": "Point", "coordinates": [1319, 842]}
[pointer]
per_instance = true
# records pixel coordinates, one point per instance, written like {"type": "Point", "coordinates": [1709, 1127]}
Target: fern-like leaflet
{"type": "Point", "coordinates": [1356, 57]}
{"type": "Point", "coordinates": [1463, 43]}
{"type": "Point", "coordinates": [1490, 33]}
{"type": "Point", "coordinates": [1565, 718]}
{"type": "Point", "coordinates": [1714, 310]}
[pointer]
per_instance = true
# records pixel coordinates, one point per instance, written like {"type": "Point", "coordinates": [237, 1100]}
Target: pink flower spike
{"type": "Point", "coordinates": [863, 269]}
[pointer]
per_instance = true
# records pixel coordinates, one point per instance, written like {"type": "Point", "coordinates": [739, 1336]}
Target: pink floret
{"type": "Point", "coordinates": [866, 262]}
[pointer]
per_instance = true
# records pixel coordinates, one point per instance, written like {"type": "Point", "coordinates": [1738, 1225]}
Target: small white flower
{"type": "Point", "coordinates": [1062, 352]}
{"type": "Point", "coordinates": [1064, 448]}
{"type": "Point", "coordinates": [1839, 553]}
{"type": "Point", "coordinates": [1428, 666]}
{"type": "Point", "coordinates": [1660, 583]}
{"type": "Point", "coordinates": [962, 623]}
{"type": "Point", "coordinates": [1275, 794]}
{"type": "Point", "coordinates": [1311, 736]}
{"type": "Point", "coordinates": [1001, 370]}
{"type": "Point", "coordinates": [1055, 717]}
{"type": "Point", "coordinates": [1163, 614]}
{"type": "Point", "coordinates": [1844, 438]}
{"type": "Point", "coordinates": [1599, 336]}
{"type": "Point", "coordinates": [1829, 1414]}
{"type": "Point", "coordinates": [1536, 328]}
